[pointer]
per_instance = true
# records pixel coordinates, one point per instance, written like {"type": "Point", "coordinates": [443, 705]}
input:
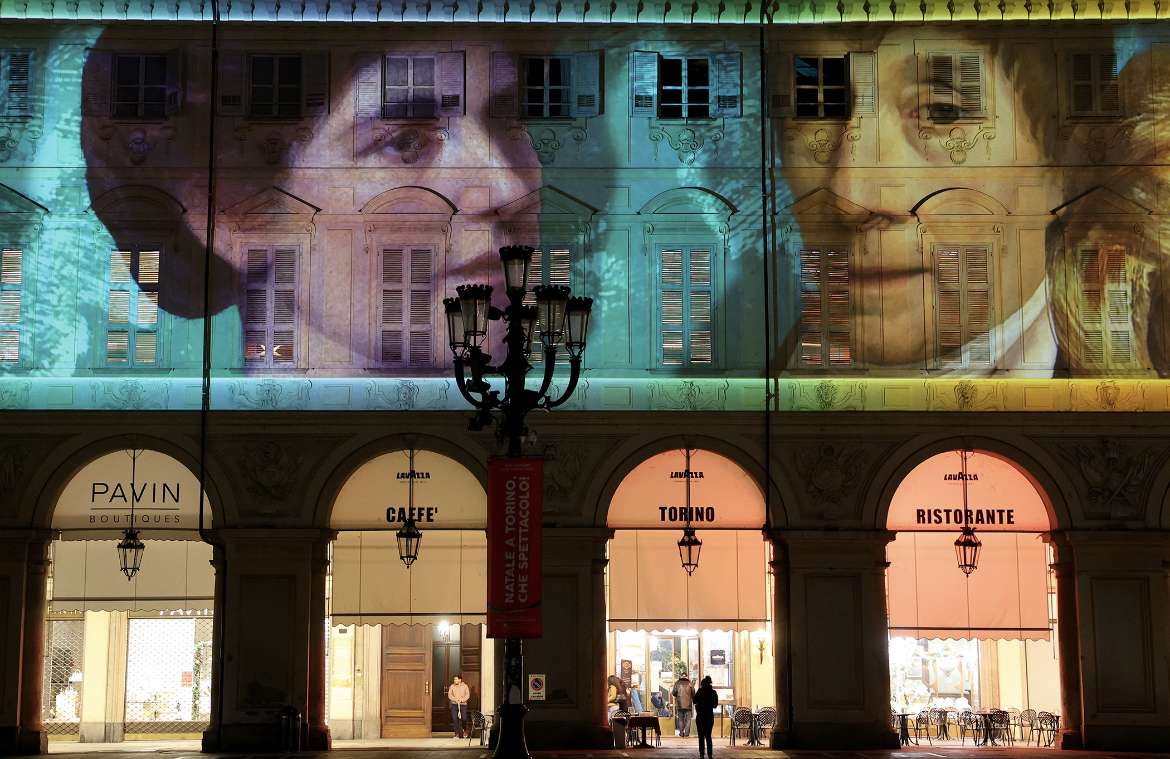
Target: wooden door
{"type": "Point", "coordinates": [406, 681]}
{"type": "Point", "coordinates": [444, 666]}
{"type": "Point", "coordinates": [470, 662]}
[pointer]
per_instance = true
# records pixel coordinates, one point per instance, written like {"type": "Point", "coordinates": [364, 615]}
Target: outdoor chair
{"type": "Point", "coordinates": [1044, 728]}
{"type": "Point", "coordinates": [766, 723]}
{"type": "Point", "coordinates": [1027, 719]}
{"type": "Point", "coordinates": [1001, 726]}
{"type": "Point", "coordinates": [938, 717]}
{"type": "Point", "coordinates": [922, 726]}
{"type": "Point", "coordinates": [481, 722]}
{"type": "Point", "coordinates": [968, 725]}
{"type": "Point", "coordinates": [741, 724]}
{"type": "Point", "coordinates": [1014, 714]}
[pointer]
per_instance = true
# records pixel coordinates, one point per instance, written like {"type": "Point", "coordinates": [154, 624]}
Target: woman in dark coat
{"type": "Point", "coordinates": [706, 699]}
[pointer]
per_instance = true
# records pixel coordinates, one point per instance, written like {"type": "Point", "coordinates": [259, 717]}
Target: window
{"type": "Point", "coordinates": [546, 87]}
{"type": "Point", "coordinates": [1105, 308]}
{"type": "Point", "coordinates": [825, 314]}
{"type": "Point", "coordinates": [140, 86]}
{"type": "Point", "coordinates": [275, 86]}
{"type": "Point", "coordinates": [406, 317]}
{"type": "Point", "coordinates": [132, 312]}
{"type": "Point", "coordinates": [686, 309]}
{"type": "Point", "coordinates": [11, 281]}
{"type": "Point", "coordinates": [697, 86]}
{"type": "Point", "coordinates": [270, 307]}
{"type": "Point", "coordinates": [16, 81]}
{"type": "Point", "coordinates": [552, 265]}
{"type": "Point", "coordinates": [1093, 86]}
{"type": "Point", "coordinates": [956, 87]}
{"type": "Point", "coordinates": [408, 90]}
{"type": "Point", "coordinates": [963, 310]}
{"type": "Point", "coordinates": [822, 87]}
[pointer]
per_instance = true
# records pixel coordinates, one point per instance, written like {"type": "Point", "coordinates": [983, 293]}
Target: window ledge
{"type": "Point", "coordinates": [126, 371]}
{"type": "Point", "coordinates": [258, 371]}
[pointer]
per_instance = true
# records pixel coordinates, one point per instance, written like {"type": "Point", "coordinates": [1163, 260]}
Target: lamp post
{"type": "Point", "coordinates": [557, 320]}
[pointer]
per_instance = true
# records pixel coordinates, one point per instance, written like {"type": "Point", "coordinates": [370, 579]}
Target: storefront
{"type": "Point", "coordinates": [663, 621]}
{"type": "Point", "coordinates": [979, 641]}
{"type": "Point", "coordinates": [398, 635]}
{"type": "Point", "coordinates": [129, 659]}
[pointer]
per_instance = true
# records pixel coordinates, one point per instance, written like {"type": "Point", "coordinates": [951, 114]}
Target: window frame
{"type": "Point", "coordinates": [927, 114]}
{"type": "Point", "coordinates": [134, 289]}
{"type": "Point", "coordinates": [411, 59]}
{"type": "Point", "coordinates": [1106, 288]}
{"type": "Point", "coordinates": [687, 248]}
{"type": "Point", "coordinates": [407, 289]}
{"type": "Point", "coordinates": [941, 360]}
{"type": "Point", "coordinates": [684, 88]}
{"type": "Point", "coordinates": [1096, 83]}
{"type": "Point", "coordinates": [18, 287]}
{"type": "Point", "coordinates": [847, 87]}
{"type": "Point", "coordinates": [140, 86]}
{"type": "Point", "coordinates": [270, 288]}
{"type": "Point", "coordinates": [566, 87]}
{"type": "Point", "coordinates": [276, 57]}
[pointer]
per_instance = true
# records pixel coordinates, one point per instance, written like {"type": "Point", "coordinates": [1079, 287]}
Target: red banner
{"type": "Point", "coordinates": [515, 501]}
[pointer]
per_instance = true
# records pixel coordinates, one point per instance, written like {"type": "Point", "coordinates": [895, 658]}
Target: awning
{"type": "Point", "coordinates": [377, 495]}
{"type": "Point", "coordinates": [371, 585]}
{"type": "Point", "coordinates": [1005, 598]}
{"type": "Point", "coordinates": [176, 577]}
{"type": "Point", "coordinates": [649, 590]}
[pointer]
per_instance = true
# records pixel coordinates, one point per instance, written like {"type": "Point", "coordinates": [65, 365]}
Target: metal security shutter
{"type": "Point", "coordinates": [686, 310]}
{"type": "Point", "coordinates": [1105, 309]}
{"type": "Point", "coordinates": [132, 314]}
{"type": "Point", "coordinates": [825, 310]}
{"type": "Point", "coordinates": [63, 675]}
{"type": "Point", "coordinates": [963, 311]}
{"type": "Point", "coordinates": [270, 306]}
{"type": "Point", "coordinates": [11, 294]}
{"type": "Point", "coordinates": [551, 266]}
{"type": "Point", "coordinates": [168, 676]}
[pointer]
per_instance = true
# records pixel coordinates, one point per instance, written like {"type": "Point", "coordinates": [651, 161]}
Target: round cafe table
{"type": "Point", "coordinates": [643, 722]}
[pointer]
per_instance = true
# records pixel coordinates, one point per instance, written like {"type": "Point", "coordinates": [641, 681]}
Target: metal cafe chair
{"type": "Point", "coordinates": [1001, 726]}
{"type": "Point", "coordinates": [481, 722]}
{"type": "Point", "coordinates": [765, 721]}
{"type": "Point", "coordinates": [741, 723]}
{"type": "Point", "coordinates": [1044, 728]}
{"type": "Point", "coordinates": [1027, 719]}
{"type": "Point", "coordinates": [922, 726]}
{"type": "Point", "coordinates": [968, 725]}
{"type": "Point", "coordinates": [938, 717]}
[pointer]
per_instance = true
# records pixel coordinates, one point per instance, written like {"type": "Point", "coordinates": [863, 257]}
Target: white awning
{"type": "Point", "coordinates": [446, 495]}
{"type": "Point", "coordinates": [176, 577]}
{"type": "Point", "coordinates": [654, 494]}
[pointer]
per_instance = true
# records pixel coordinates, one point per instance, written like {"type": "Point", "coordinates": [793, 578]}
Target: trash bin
{"type": "Point", "coordinates": [290, 729]}
{"type": "Point", "coordinates": [618, 725]}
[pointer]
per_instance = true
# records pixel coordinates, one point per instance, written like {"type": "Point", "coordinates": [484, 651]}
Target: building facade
{"type": "Point", "coordinates": [824, 245]}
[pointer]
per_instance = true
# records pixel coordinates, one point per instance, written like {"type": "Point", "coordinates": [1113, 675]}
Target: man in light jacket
{"type": "Point", "coordinates": [684, 698]}
{"type": "Point", "coordinates": [458, 694]}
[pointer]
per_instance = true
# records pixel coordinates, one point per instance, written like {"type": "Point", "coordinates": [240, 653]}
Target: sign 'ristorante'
{"type": "Point", "coordinates": [653, 495]}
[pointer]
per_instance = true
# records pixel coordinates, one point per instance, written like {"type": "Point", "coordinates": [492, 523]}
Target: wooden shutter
{"type": "Point", "coordinates": [96, 82]}
{"type": "Point", "coordinates": [18, 74]}
{"type": "Point", "coordinates": [146, 314]}
{"type": "Point", "coordinates": [552, 266]}
{"type": "Point", "coordinates": [1119, 307]}
{"type": "Point", "coordinates": [585, 76]}
{"type": "Point", "coordinates": [391, 311]}
{"type": "Point", "coordinates": [700, 309]}
{"type": "Point", "coordinates": [504, 97]}
{"type": "Point", "coordinates": [643, 83]}
{"type": "Point", "coordinates": [978, 305]}
{"type": "Point", "coordinates": [1090, 307]}
{"type": "Point", "coordinates": [367, 89]}
{"type": "Point", "coordinates": [964, 308]}
{"type": "Point", "coordinates": [826, 319]}
{"type": "Point", "coordinates": [174, 82]}
{"type": "Point", "coordinates": [1110, 95]}
{"type": "Point", "coordinates": [118, 307]}
{"type": "Point", "coordinates": [687, 308]}
{"type": "Point", "coordinates": [451, 85]}
{"type": "Point", "coordinates": [421, 307]}
{"type": "Point", "coordinates": [782, 87]}
{"type": "Point", "coordinates": [257, 305]}
{"type": "Point", "coordinates": [315, 84]}
{"type": "Point", "coordinates": [1081, 84]}
{"type": "Point", "coordinates": [970, 90]}
{"type": "Point", "coordinates": [863, 83]}
{"type": "Point", "coordinates": [941, 93]}
{"type": "Point", "coordinates": [231, 83]}
{"type": "Point", "coordinates": [811, 350]}
{"type": "Point", "coordinates": [284, 306]}
{"type": "Point", "coordinates": [671, 316]}
{"type": "Point", "coordinates": [727, 94]}
{"type": "Point", "coordinates": [1105, 309]}
{"type": "Point", "coordinates": [11, 283]}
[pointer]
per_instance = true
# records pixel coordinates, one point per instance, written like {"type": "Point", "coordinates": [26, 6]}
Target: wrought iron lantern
{"type": "Point", "coordinates": [409, 540]}
{"type": "Point", "coordinates": [967, 545]}
{"type": "Point", "coordinates": [689, 547]}
{"type": "Point", "coordinates": [130, 547]}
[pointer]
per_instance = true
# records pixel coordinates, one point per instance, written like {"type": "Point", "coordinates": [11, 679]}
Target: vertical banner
{"type": "Point", "coordinates": [515, 503]}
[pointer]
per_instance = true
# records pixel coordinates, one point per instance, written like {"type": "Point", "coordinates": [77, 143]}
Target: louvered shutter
{"type": "Point", "coordinates": [421, 307]}
{"type": "Point", "coordinates": [585, 76]}
{"type": "Point", "coordinates": [699, 307]}
{"type": "Point", "coordinates": [811, 335]}
{"type": "Point", "coordinates": [978, 306]}
{"type": "Point", "coordinates": [643, 83]}
{"type": "Point", "coordinates": [964, 306]}
{"type": "Point", "coordinates": [782, 97]}
{"type": "Point", "coordinates": [96, 81]}
{"type": "Point", "coordinates": [18, 74]}
{"type": "Point", "coordinates": [1110, 96]}
{"type": "Point", "coordinates": [671, 282]}
{"type": "Point", "coordinates": [1105, 309]}
{"type": "Point", "coordinates": [257, 306]}
{"type": "Point", "coordinates": [863, 83]}
{"type": "Point", "coordinates": [727, 94]}
{"type": "Point", "coordinates": [840, 310]}
{"type": "Point", "coordinates": [451, 83]}
{"type": "Point", "coordinates": [231, 83]}
{"type": "Point", "coordinates": [504, 98]}
{"type": "Point", "coordinates": [971, 98]}
{"type": "Point", "coordinates": [146, 314]}
{"type": "Point", "coordinates": [687, 307]}
{"type": "Point", "coordinates": [552, 266]}
{"type": "Point", "coordinates": [367, 90]}
{"type": "Point", "coordinates": [391, 313]}
{"type": "Point", "coordinates": [315, 87]}
{"type": "Point", "coordinates": [118, 307]}
{"type": "Point", "coordinates": [826, 320]}
{"type": "Point", "coordinates": [1089, 307]}
{"type": "Point", "coordinates": [11, 284]}
{"type": "Point", "coordinates": [284, 306]}
{"type": "Point", "coordinates": [1118, 308]}
{"type": "Point", "coordinates": [1081, 84]}
{"type": "Point", "coordinates": [174, 82]}
{"type": "Point", "coordinates": [949, 314]}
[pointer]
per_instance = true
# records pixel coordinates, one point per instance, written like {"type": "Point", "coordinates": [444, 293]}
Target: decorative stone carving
{"type": "Point", "coordinates": [547, 141]}
{"type": "Point", "coordinates": [689, 395]}
{"type": "Point", "coordinates": [1107, 395]}
{"type": "Point", "coordinates": [824, 143]}
{"type": "Point", "coordinates": [275, 142]}
{"type": "Point", "coordinates": [966, 395]}
{"type": "Point", "coordinates": [12, 134]}
{"type": "Point", "coordinates": [11, 467]}
{"type": "Point", "coordinates": [131, 394]}
{"type": "Point", "coordinates": [687, 142]}
{"type": "Point", "coordinates": [404, 395]}
{"type": "Point", "coordinates": [1115, 474]}
{"type": "Point", "coordinates": [14, 394]}
{"type": "Point", "coordinates": [270, 394]}
{"type": "Point", "coordinates": [138, 140]}
{"type": "Point", "coordinates": [1098, 139]}
{"type": "Point", "coordinates": [270, 470]}
{"type": "Point", "coordinates": [956, 143]}
{"type": "Point", "coordinates": [576, 401]}
{"type": "Point", "coordinates": [562, 470]}
{"type": "Point", "coordinates": [410, 141]}
{"type": "Point", "coordinates": [830, 395]}
{"type": "Point", "coordinates": [830, 473]}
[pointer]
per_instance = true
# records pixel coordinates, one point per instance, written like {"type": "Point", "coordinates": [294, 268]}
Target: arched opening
{"type": "Point", "coordinates": [399, 635]}
{"type": "Point", "coordinates": [973, 656]}
{"type": "Point", "coordinates": [663, 622]}
{"type": "Point", "coordinates": [129, 659]}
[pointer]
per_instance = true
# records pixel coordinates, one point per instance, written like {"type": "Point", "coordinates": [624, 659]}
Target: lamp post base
{"type": "Point", "coordinates": [511, 743]}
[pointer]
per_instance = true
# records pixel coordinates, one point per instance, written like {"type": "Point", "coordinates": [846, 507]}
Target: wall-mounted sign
{"type": "Point", "coordinates": [165, 495]}
{"type": "Point", "coordinates": [1000, 496]}
{"type": "Point", "coordinates": [516, 497]}
{"type": "Point", "coordinates": [377, 495]}
{"type": "Point", "coordinates": [718, 657]}
{"type": "Point", "coordinates": [536, 687]}
{"type": "Point", "coordinates": [653, 495]}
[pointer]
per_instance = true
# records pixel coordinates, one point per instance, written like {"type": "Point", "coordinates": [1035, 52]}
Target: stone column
{"type": "Point", "coordinates": [318, 731]}
{"type": "Point", "coordinates": [1067, 642]}
{"type": "Point", "coordinates": [782, 654]}
{"type": "Point", "coordinates": [32, 738]}
{"type": "Point", "coordinates": [211, 736]}
{"type": "Point", "coordinates": [839, 649]}
{"type": "Point", "coordinates": [598, 638]}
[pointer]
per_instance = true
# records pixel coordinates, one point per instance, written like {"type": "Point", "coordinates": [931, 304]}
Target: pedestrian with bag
{"type": "Point", "coordinates": [684, 697]}
{"type": "Point", "coordinates": [706, 700]}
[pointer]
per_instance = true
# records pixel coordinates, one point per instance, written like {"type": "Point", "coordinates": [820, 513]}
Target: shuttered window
{"type": "Point", "coordinates": [140, 86]}
{"type": "Point", "coordinates": [11, 305]}
{"type": "Point", "coordinates": [1093, 85]}
{"type": "Point", "coordinates": [1105, 307]}
{"type": "Point", "coordinates": [408, 87]}
{"type": "Point", "coordinates": [552, 265]}
{"type": "Point", "coordinates": [275, 86]}
{"type": "Point", "coordinates": [956, 88]}
{"type": "Point", "coordinates": [406, 308]}
{"type": "Point", "coordinates": [270, 306]}
{"type": "Point", "coordinates": [826, 320]}
{"type": "Point", "coordinates": [699, 86]}
{"type": "Point", "coordinates": [132, 315]}
{"type": "Point", "coordinates": [547, 85]}
{"type": "Point", "coordinates": [686, 308]}
{"type": "Point", "coordinates": [963, 314]}
{"type": "Point", "coordinates": [16, 81]}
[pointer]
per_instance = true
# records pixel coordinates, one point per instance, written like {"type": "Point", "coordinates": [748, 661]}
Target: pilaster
{"type": "Point", "coordinates": [24, 564]}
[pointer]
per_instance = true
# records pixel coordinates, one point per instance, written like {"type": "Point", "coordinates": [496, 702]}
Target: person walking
{"type": "Point", "coordinates": [458, 694]}
{"type": "Point", "coordinates": [684, 697]}
{"type": "Point", "coordinates": [706, 699]}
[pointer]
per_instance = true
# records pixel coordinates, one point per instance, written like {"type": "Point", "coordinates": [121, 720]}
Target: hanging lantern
{"type": "Point", "coordinates": [130, 550]}
{"type": "Point", "coordinates": [689, 547]}
{"type": "Point", "coordinates": [967, 547]}
{"type": "Point", "coordinates": [409, 539]}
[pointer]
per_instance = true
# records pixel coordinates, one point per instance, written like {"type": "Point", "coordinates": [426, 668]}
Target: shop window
{"type": "Point", "coordinates": [406, 309]}
{"type": "Point", "coordinates": [826, 319]}
{"type": "Point", "coordinates": [1093, 85]}
{"type": "Point", "coordinates": [270, 307]}
{"type": "Point", "coordinates": [63, 675]}
{"type": "Point", "coordinates": [16, 79]}
{"type": "Point", "coordinates": [168, 676]}
{"type": "Point", "coordinates": [546, 86]}
{"type": "Point", "coordinates": [963, 306]}
{"type": "Point", "coordinates": [551, 265]}
{"type": "Point", "coordinates": [132, 315]}
{"type": "Point", "coordinates": [1104, 308]}
{"type": "Point", "coordinates": [696, 86]}
{"type": "Point", "coordinates": [686, 308]}
{"type": "Point", "coordinates": [11, 295]}
{"type": "Point", "coordinates": [956, 89]}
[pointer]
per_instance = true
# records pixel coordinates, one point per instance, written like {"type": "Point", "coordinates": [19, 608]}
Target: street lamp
{"type": "Point", "coordinates": [557, 319]}
{"type": "Point", "coordinates": [130, 548]}
{"type": "Point", "coordinates": [409, 538]}
{"type": "Point", "coordinates": [966, 545]}
{"type": "Point", "coordinates": [689, 546]}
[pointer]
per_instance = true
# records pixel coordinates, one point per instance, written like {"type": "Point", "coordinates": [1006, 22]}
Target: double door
{"type": "Point", "coordinates": [418, 664]}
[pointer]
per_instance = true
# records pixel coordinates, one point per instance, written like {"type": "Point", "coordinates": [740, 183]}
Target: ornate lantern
{"type": "Point", "coordinates": [967, 545]}
{"type": "Point", "coordinates": [409, 537]}
{"type": "Point", "coordinates": [689, 546]}
{"type": "Point", "coordinates": [130, 548]}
